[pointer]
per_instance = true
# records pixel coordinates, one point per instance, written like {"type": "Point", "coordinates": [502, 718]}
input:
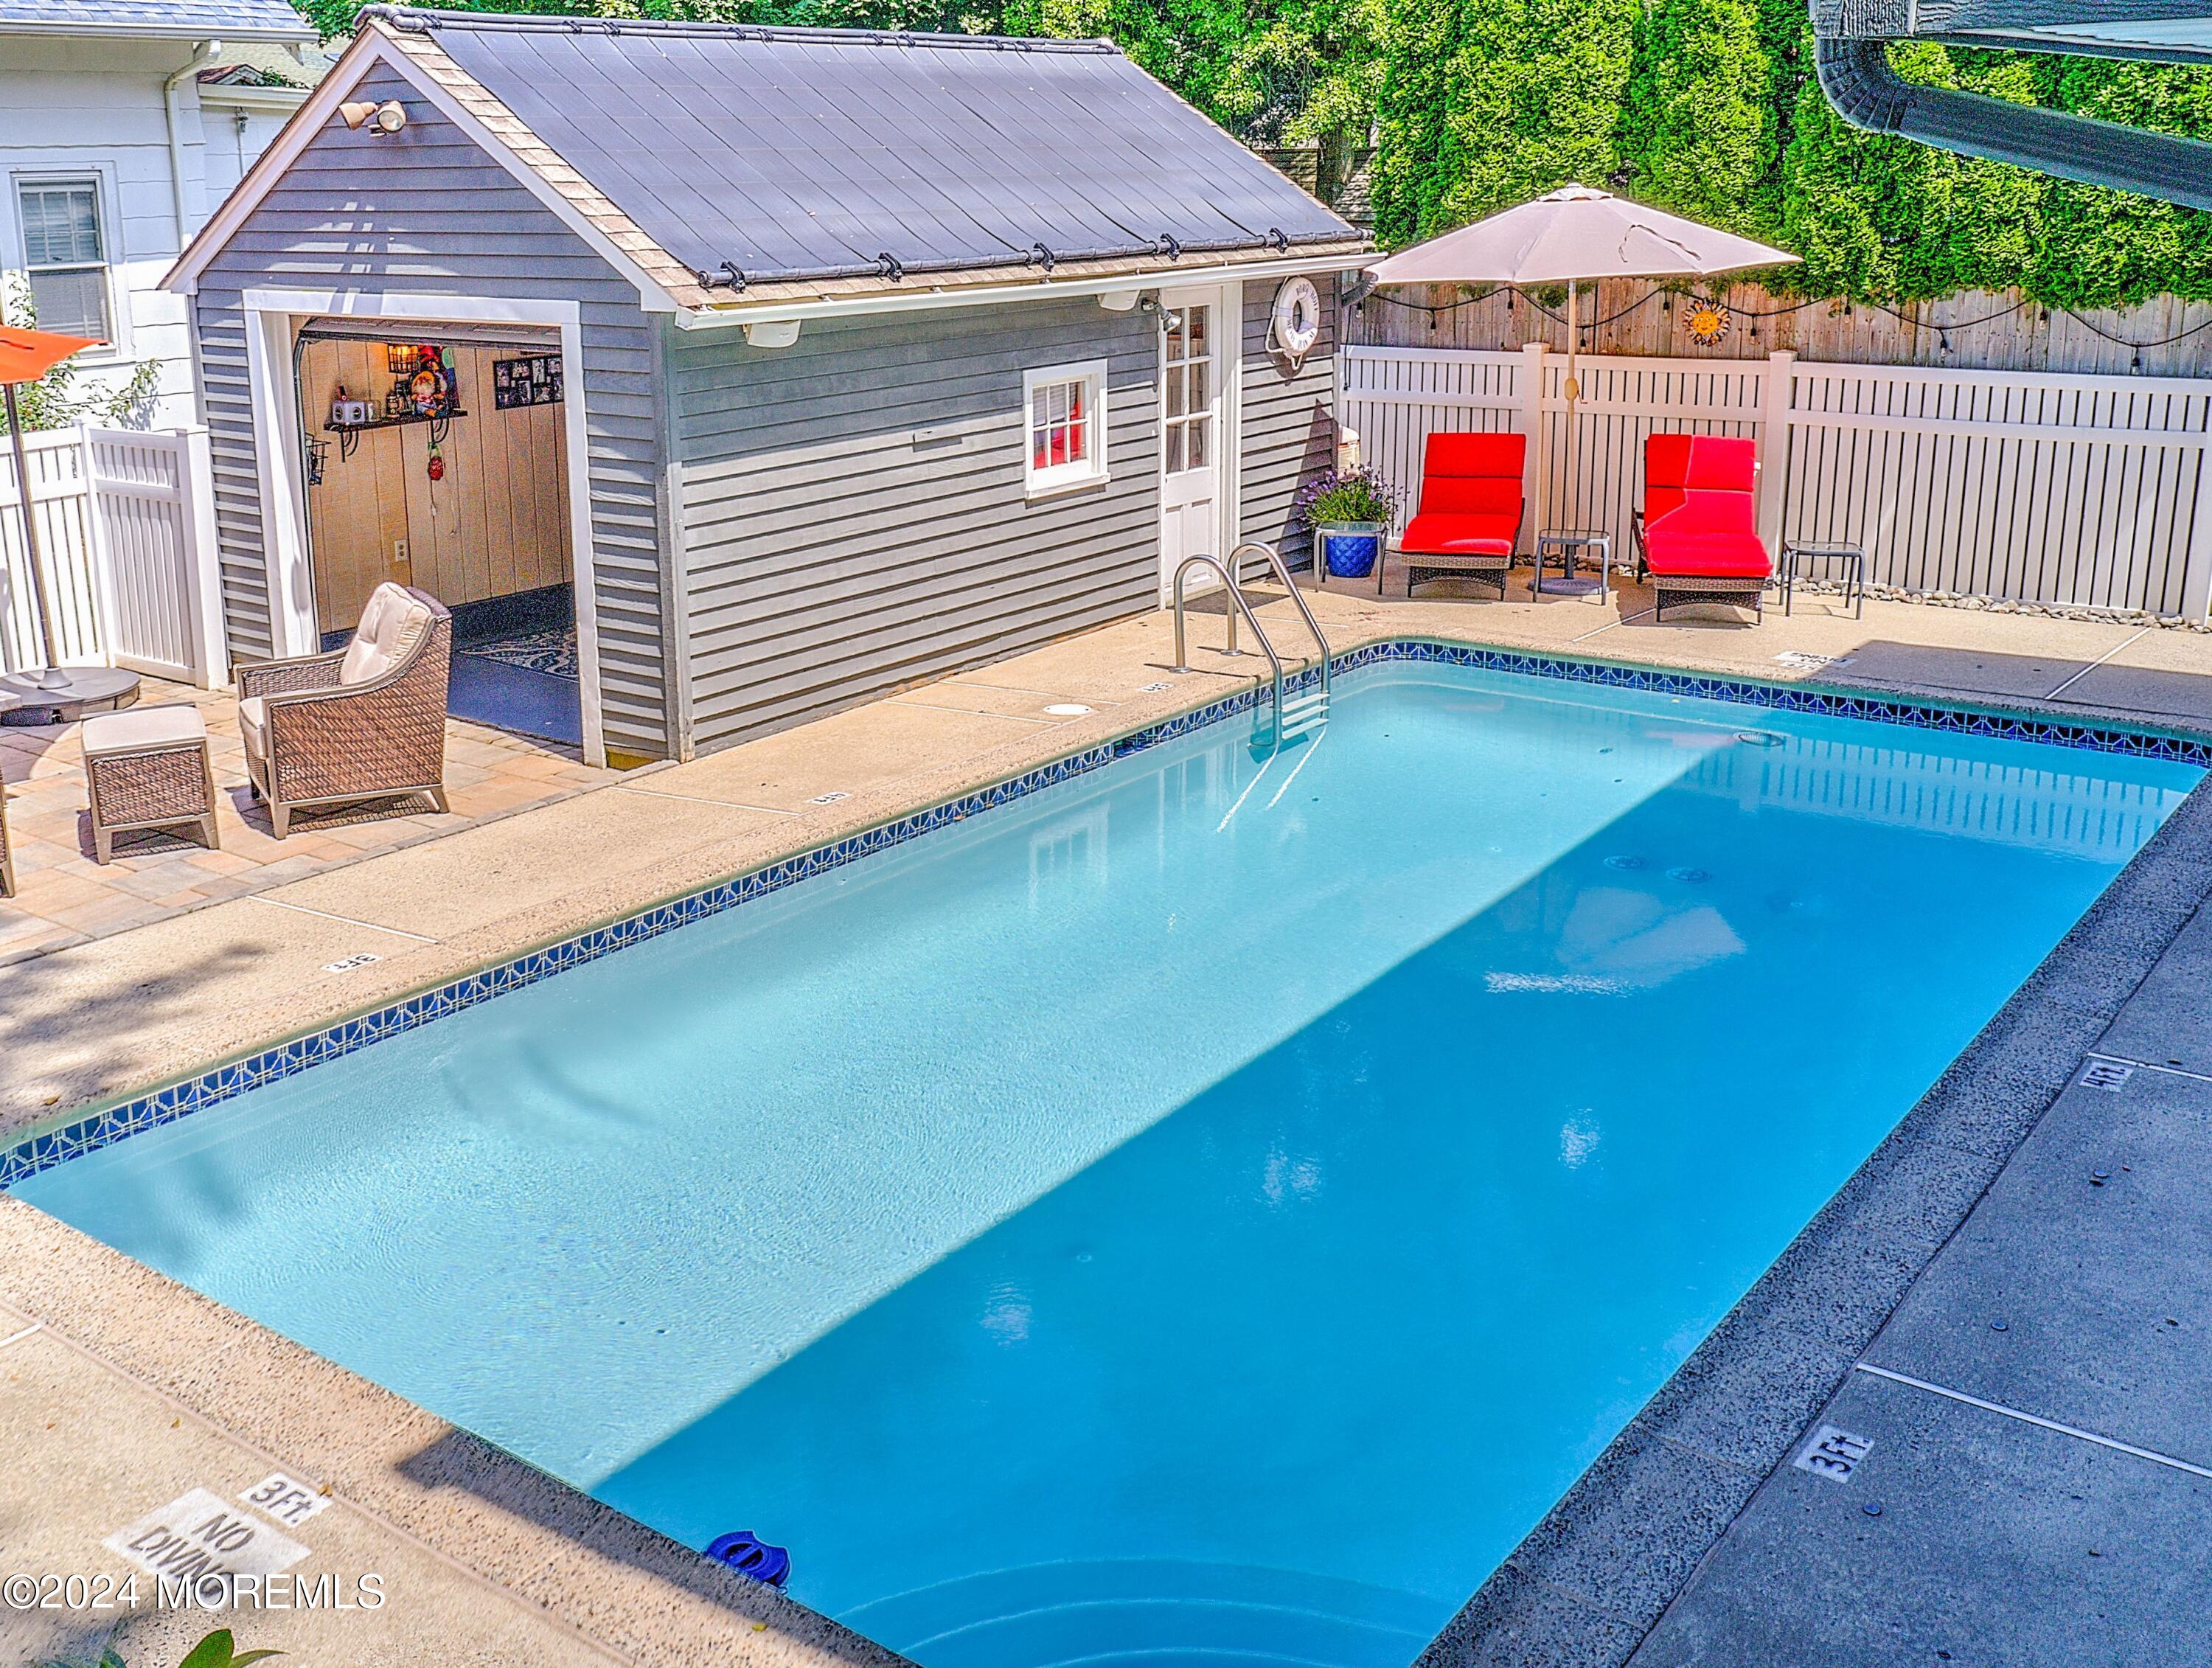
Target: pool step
{"type": "Point", "coordinates": [1161, 1613]}
{"type": "Point", "coordinates": [1301, 710]}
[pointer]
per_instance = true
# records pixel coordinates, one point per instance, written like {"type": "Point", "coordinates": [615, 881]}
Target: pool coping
{"type": "Point", "coordinates": [84, 1130]}
{"type": "Point", "coordinates": [1501, 1607]}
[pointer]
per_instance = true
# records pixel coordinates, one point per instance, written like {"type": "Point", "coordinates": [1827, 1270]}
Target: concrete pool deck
{"type": "Point", "coordinates": [541, 1574]}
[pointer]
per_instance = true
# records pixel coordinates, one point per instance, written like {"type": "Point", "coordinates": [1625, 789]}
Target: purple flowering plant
{"type": "Point", "coordinates": [1345, 495]}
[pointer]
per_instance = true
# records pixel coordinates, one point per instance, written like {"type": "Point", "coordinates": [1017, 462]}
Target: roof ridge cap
{"type": "Point", "coordinates": [426, 20]}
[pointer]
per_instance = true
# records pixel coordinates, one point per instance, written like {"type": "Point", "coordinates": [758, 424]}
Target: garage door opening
{"type": "Point", "coordinates": [437, 459]}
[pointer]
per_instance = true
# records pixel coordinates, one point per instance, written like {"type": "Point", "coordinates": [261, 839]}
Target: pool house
{"type": "Point", "coordinates": [773, 367]}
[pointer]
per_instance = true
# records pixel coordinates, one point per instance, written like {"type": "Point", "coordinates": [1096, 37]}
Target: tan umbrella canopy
{"type": "Point", "coordinates": [1574, 236]}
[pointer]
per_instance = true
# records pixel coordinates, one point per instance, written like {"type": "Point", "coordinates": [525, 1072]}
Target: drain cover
{"type": "Point", "coordinates": [1626, 862]}
{"type": "Point", "coordinates": [1759, 738]}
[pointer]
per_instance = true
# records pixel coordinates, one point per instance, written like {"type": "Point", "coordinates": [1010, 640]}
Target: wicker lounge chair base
{"type": "Point", "coordinates": [1700, 593]}
{"type": "Point", "coordinates": [1478, 570]}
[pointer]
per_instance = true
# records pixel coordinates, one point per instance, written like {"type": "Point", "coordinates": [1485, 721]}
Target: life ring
{"type": "Point", "coordinates": [1297, 321]}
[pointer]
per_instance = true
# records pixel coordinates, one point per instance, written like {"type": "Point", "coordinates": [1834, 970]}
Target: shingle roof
{"type": "Point", "coordinates": [214, 19]}
{"type": "Point", "coordinates": [767, 156]}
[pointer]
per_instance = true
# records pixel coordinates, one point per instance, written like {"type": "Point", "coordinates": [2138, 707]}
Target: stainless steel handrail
{"type": "Point", "coordinates": [1236, 605]}
{"type": "Point", "coordinates": [1275, 561]}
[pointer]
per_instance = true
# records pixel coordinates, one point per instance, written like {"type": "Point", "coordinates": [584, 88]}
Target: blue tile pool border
{"type": "Point", "coordinates": [43, 1150]}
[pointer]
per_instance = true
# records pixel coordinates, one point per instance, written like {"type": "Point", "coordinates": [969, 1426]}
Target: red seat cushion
{"type": "Point", "coordinates": [1705, 555]}
{"type": "Point", "coordinates": [1439, 532]}
{"type": "Point", "coordinates": [1700, 519]}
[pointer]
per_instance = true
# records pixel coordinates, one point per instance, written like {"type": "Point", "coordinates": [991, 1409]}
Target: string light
{"type": "Point", "coordinates": [1849, 310]}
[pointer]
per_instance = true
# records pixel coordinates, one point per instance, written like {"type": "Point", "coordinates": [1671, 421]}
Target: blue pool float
{"type": "Point", "coordinates": [747, 1554]}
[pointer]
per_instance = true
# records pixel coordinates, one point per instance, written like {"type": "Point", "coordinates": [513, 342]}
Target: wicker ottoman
{"type": "Point", "coordinates": [148, 767]}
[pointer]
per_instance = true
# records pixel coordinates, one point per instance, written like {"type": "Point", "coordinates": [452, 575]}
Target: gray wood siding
{"type": "Point", "coordinates": [1289, 427]}
{"type": "Point", "coordinates": [427, 210]}
{"type": "Point", "coordinates": [853, 508]}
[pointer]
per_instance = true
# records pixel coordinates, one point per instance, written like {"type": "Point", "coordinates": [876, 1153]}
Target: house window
{"type": "Point", "coordinates": [1067, 426]}
{"type": "Point", "coordinates": [65, 255]}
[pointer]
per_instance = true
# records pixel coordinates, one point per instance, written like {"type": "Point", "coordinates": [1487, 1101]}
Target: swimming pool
{"type": "Point", "coordinates": [1210, 1207]}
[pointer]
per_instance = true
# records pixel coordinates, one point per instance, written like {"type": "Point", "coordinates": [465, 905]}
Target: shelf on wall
{"type": "Point", "coordinates": [393, 422]}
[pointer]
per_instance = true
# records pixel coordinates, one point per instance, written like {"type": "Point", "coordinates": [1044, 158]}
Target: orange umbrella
{"type": "Point", "coordinates": [28, 354]}
{"type": "Point", "coordinates": [25, 357]}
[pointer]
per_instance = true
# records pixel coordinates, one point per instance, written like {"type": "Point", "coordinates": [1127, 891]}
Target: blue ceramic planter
{"type": "Point", "coordinates": [1349, 550]}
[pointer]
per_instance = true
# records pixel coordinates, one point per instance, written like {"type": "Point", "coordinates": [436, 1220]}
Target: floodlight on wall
{"type": "Point", "coordinates": [386, 117]}
{"type": "Point", "coordinates": [772, 334]}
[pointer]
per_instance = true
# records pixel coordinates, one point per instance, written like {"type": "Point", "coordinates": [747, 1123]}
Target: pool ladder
{"type": "Point", "coordinates": [1294, 714]}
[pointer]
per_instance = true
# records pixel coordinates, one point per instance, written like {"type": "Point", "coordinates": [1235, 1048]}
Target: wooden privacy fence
{"type": "Point", "coordinates": [2091, 491]}
{"type": "Point", "coordinates": [126, 529]}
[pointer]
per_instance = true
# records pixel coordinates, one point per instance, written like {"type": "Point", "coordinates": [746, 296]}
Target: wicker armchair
{"type": "Point", "coordinates": [367, 722]}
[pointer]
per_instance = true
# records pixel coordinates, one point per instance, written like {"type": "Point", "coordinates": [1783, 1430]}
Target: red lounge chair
{"type": "Point", "coordinates": [1696, 536]}
{"type": "Point", "coordinates": [1469, 514]}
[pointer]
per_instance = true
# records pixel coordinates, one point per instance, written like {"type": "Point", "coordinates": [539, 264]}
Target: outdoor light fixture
{"type": "Point", "coordinates": [1168, 321]}
{"type": "Point", "coordinates": [386, 117]}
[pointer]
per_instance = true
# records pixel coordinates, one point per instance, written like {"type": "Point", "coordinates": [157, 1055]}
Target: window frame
{"type": "Point", "coordinates": [98, 179]}
{"type": "Point", "coordinates": [1051, 479]}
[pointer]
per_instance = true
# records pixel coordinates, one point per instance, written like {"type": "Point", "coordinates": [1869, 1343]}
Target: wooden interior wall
{"type": "Point", "coordinates": [497, 523]}
{"type": "Point", "coordinates": [1975, 330]}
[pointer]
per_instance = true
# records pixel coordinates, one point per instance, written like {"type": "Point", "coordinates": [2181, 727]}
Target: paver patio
{"type": "Point", "coordinates": [65, 897]}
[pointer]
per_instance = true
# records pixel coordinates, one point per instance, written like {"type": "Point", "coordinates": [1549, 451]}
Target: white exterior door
{"type": "Point", "coordinates": [1197, 363]}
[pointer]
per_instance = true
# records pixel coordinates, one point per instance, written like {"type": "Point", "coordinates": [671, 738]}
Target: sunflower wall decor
{"type": "Point", "coordinates": [1706, 323]}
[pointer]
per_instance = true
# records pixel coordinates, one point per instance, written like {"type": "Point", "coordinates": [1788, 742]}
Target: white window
{"type": "Point", "coordinates": [1066, 424]}
{"type": "Point", "coordinates": [65, 255]}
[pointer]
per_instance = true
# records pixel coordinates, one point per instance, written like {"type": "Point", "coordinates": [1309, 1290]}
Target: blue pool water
{"type": "Point", "coordinates": [1208, 1209]}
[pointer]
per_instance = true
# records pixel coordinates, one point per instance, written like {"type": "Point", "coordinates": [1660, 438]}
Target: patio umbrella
{"type": "Point", "coordinates": [1574, 236]}
{"type": "Point", "coordinates": [44, 690]}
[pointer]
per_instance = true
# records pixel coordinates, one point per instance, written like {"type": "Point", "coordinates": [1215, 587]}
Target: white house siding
{"type": "Point", "coordinates": [237, 128]}
{"type": "Point", "coordinates": [82, 108]}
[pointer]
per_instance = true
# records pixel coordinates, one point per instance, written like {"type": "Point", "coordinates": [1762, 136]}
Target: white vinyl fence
{"type": "Point", "coordinates": [126, 528]}
{"type": "Point", "coordinates": [2093, 491]}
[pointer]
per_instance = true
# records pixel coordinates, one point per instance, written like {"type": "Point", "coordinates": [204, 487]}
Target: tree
{"type": "Point", "coordinates": [1700, 127]}
{"type": "Point", "coordinates": [1486, 103]}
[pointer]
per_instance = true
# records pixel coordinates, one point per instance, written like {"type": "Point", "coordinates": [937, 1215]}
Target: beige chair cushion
{"type": "Point", "coordinates": [142, 727]}
{"type": "Point", "coordinates": [391, 626]}
{"type": "Point", "coordinates": [253, 725]}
